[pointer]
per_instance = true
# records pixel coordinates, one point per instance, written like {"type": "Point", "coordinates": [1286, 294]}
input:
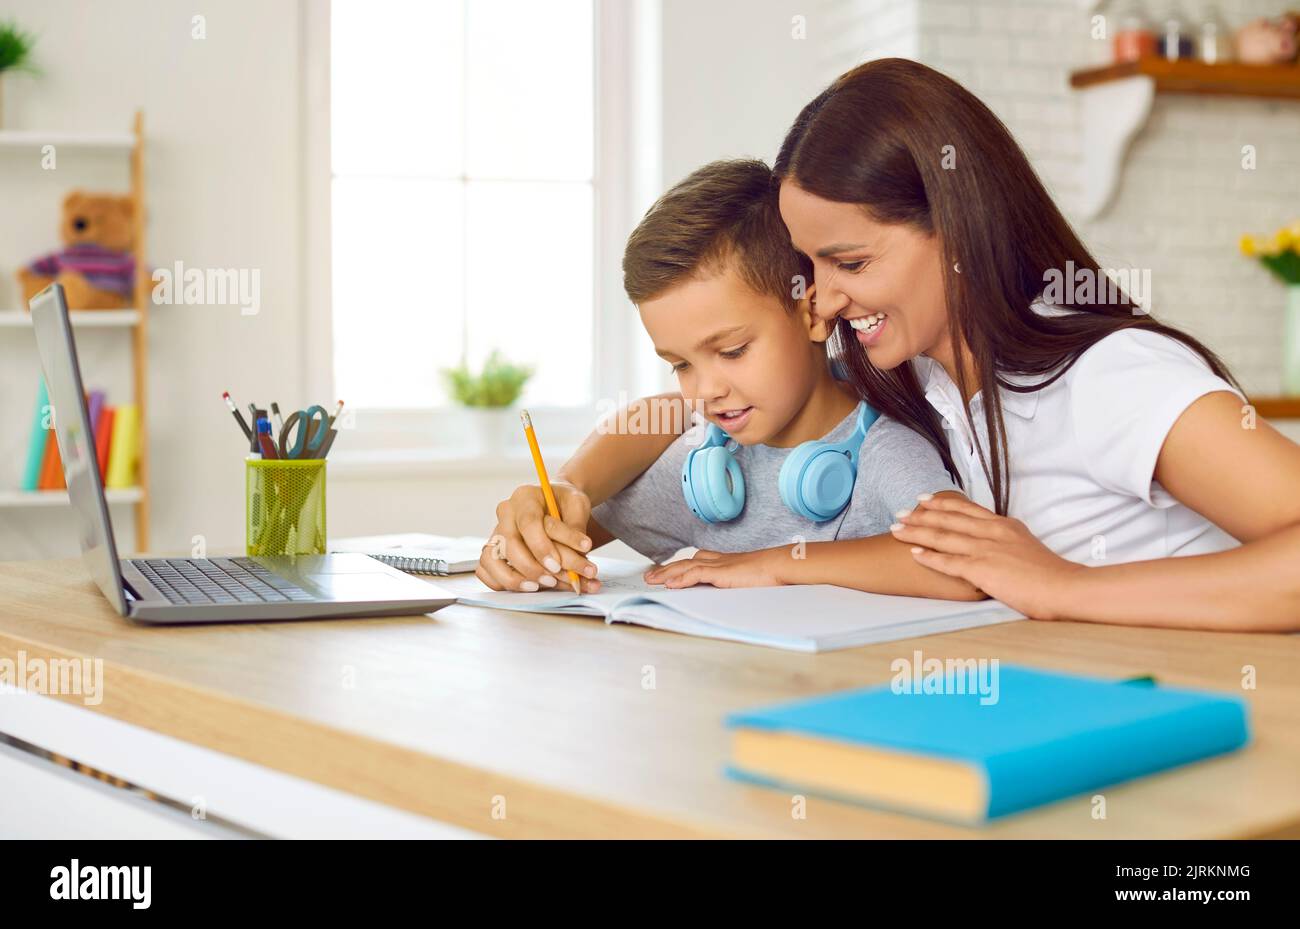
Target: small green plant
{"type": "Point", "coordinates": [499, 384]}
{"type": "Point", "coordinates": [16, 48]}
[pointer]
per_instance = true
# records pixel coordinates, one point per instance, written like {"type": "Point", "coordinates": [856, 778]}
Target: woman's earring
{"type": "Point", "coordinates": [956, 266]}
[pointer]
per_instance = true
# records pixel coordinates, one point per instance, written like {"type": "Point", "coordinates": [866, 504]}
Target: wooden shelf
{"type": "Point", "coordinates": [1117, 99]}
{"type": "Point", "coordinates": [36, 498]}
{"type": "Point", "coordinates": [1277, 407]}
{"type": "Point", "coordinates": [88, 319]}
{"type": "Point", "coordinates": [1196, 77]}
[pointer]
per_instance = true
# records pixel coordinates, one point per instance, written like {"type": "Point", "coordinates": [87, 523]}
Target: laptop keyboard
{"type": "Point", "coordinates": [217, 580]}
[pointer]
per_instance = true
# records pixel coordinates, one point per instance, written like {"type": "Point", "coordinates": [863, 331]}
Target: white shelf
{"type": "Point", "coordinates": [36, 138]}
{"type": "Point", "coordinates": [1117, 100]}
{"type": "Point", "coordinates": [1113, 113]}
{"type": "Point", "coordinates": [34, 498]}
{"type": "Point", "coordinates": [89, 319]}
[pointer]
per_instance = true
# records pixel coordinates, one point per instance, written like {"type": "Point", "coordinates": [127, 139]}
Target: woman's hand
{"type": "Point", "coordinates": [997, 554]}
{"type": "Point", "coordinates": [529, 550]}
{"type": "Point", "coordinates": [745, 569]}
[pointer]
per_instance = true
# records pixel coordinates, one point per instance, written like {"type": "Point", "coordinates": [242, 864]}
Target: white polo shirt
{"type": "Point", "coordinates": [1082, 450]}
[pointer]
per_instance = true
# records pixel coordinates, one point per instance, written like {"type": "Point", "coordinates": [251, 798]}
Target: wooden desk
{"type": "Point", "coordinates": [451, 711]}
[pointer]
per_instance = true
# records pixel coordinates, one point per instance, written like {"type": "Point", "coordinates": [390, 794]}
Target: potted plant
{"type": "Point", "coordinates": [15, 54]}
{"type": "Point", "coordinates": [1281, 255]}
{"type": "Point", "coordinates": [489, 395]}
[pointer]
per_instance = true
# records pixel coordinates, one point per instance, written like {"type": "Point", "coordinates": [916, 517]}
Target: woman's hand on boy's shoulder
{"type": "Point", "coordinates": [760, 568]}
{"type": "Point", "coordinates": [530, 551]}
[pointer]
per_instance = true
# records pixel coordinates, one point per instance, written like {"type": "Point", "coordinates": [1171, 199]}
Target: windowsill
{"type": "Point", "coordinates": [435, 462]}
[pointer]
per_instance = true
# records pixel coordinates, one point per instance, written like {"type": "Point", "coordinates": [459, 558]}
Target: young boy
{"type": "Point", "coordinates": [713, 274]}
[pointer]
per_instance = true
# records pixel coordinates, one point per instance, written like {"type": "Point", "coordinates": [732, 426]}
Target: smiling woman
{"type": "Point", "coordinates": [895, 176]}
{"type": "Point", "coordinates": [1113, 438]}
{"type": "Point", "coordinates": [1092, 441]}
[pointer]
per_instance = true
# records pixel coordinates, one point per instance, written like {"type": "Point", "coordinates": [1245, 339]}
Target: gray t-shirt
{"type": "Point", "coordinates": [894, 465]}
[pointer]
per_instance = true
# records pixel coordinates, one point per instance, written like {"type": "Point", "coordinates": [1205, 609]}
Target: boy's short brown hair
{"type": "Point", "coordinates": [723, 212]}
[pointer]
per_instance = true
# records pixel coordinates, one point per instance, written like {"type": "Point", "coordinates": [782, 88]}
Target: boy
{"type": "Point", "coordinates": [713, 274]}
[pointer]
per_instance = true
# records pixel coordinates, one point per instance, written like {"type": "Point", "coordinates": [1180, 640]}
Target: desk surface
{"type": "Point", "coordinates": [442, 714]}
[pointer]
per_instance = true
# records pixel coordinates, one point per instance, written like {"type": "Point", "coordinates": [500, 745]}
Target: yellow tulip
{"type": "Point", "coordinates": [1281, 241]}
{"type": "Point", "coordinates": [1265, 246]}
{"type": "Point", "coordinates": [1288, 238]}
{"type": "Point", "coordinates": [1247, 245]}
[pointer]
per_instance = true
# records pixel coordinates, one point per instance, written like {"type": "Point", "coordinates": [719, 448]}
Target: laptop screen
{"type": "Point", "coordinates": [76, 440]}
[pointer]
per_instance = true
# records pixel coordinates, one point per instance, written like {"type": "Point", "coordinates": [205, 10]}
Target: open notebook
{"type": "Point", "coordinates": [810, 618]}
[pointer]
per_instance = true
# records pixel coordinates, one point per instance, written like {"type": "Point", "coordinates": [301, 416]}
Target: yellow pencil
{"type": "Point", "coordinates": [549, 494]}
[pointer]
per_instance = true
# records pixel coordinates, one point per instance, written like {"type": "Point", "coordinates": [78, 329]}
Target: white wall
{"type": "Point", "coordinates": [735, 78]}
{"type": "Point", "coordinates": [221, 117]}
{"type": "Point", "coordinates": [1183, 200]}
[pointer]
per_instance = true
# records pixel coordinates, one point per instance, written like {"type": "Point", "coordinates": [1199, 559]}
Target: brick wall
{"type": "Point", "coordinates": [1183, 198]}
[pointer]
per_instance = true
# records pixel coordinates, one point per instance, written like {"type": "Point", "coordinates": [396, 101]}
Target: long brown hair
{"type": "Point", "coordinates": [879, 136]}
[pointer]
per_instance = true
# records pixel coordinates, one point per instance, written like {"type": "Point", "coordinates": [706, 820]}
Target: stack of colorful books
{"type": "Point", "coordinates": [116, 439]}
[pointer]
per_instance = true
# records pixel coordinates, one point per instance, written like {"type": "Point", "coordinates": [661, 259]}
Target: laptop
{"type": "Point", "coordinates": [199, 590]}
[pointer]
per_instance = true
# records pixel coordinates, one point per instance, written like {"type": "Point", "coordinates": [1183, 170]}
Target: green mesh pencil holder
{"type": "Point", "coordinates": [285, 507]}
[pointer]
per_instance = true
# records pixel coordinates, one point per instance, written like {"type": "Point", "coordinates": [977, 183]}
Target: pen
{"type": "Point", "coordinates": [549, 494]}
{"type": "Point", "coordinates": [335, 415]}
{"type": "Point", "coordinates": [265, 443]}
{"type": "Point", "coordinates": [239, 417]}
{"type": "Point", "coordinates": [275, 411]}
{"type": "Point", "coordinates": [257, 414]}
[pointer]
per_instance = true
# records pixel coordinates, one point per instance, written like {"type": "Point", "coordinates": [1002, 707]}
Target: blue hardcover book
{"type": "Point", "coordinates": [969, 747]}
{"type": "Point", "coordinates": [36, 442]}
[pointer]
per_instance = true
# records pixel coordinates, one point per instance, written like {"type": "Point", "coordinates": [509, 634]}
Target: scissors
{"type": "Point", "coordinates": [302, 435]}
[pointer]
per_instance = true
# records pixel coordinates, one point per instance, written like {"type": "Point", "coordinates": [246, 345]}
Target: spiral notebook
{"type": "Point", "coordinates": [417, 553]}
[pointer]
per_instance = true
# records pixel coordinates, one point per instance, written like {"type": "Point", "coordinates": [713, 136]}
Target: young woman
{"type": "Point", "coordinates": [1094, 443]}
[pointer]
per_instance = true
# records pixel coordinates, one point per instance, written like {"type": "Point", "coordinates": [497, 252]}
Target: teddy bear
{"type": "Point", "coordinates": [96, 266]}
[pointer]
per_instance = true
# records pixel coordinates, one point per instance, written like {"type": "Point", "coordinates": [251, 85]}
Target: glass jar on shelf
{"type": "Point", "coordinates": [1133, 37]}
{"type": "Point", "coordinates": [1173, 36]}
{"type": "Point", "coordinates": [1213, 37]}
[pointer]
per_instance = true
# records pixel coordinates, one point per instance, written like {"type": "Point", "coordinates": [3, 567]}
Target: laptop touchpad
{"type": "Point", "coordinates": [354, 586]}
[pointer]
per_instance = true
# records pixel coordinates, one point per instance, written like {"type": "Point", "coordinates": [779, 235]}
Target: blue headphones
{"type": "Point", "coordinates": [816, 480]}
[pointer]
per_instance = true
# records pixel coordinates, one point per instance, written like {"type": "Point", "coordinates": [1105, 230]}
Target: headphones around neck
{"type": "Point", "coordinates": [816, 480]}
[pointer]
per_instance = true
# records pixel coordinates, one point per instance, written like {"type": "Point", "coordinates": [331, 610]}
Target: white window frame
{"type": "Point", "coordinates": [627, 177]}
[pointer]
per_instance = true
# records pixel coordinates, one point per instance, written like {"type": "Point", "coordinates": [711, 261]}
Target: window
{"type": "Point", "coordinates": [463, 196]}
